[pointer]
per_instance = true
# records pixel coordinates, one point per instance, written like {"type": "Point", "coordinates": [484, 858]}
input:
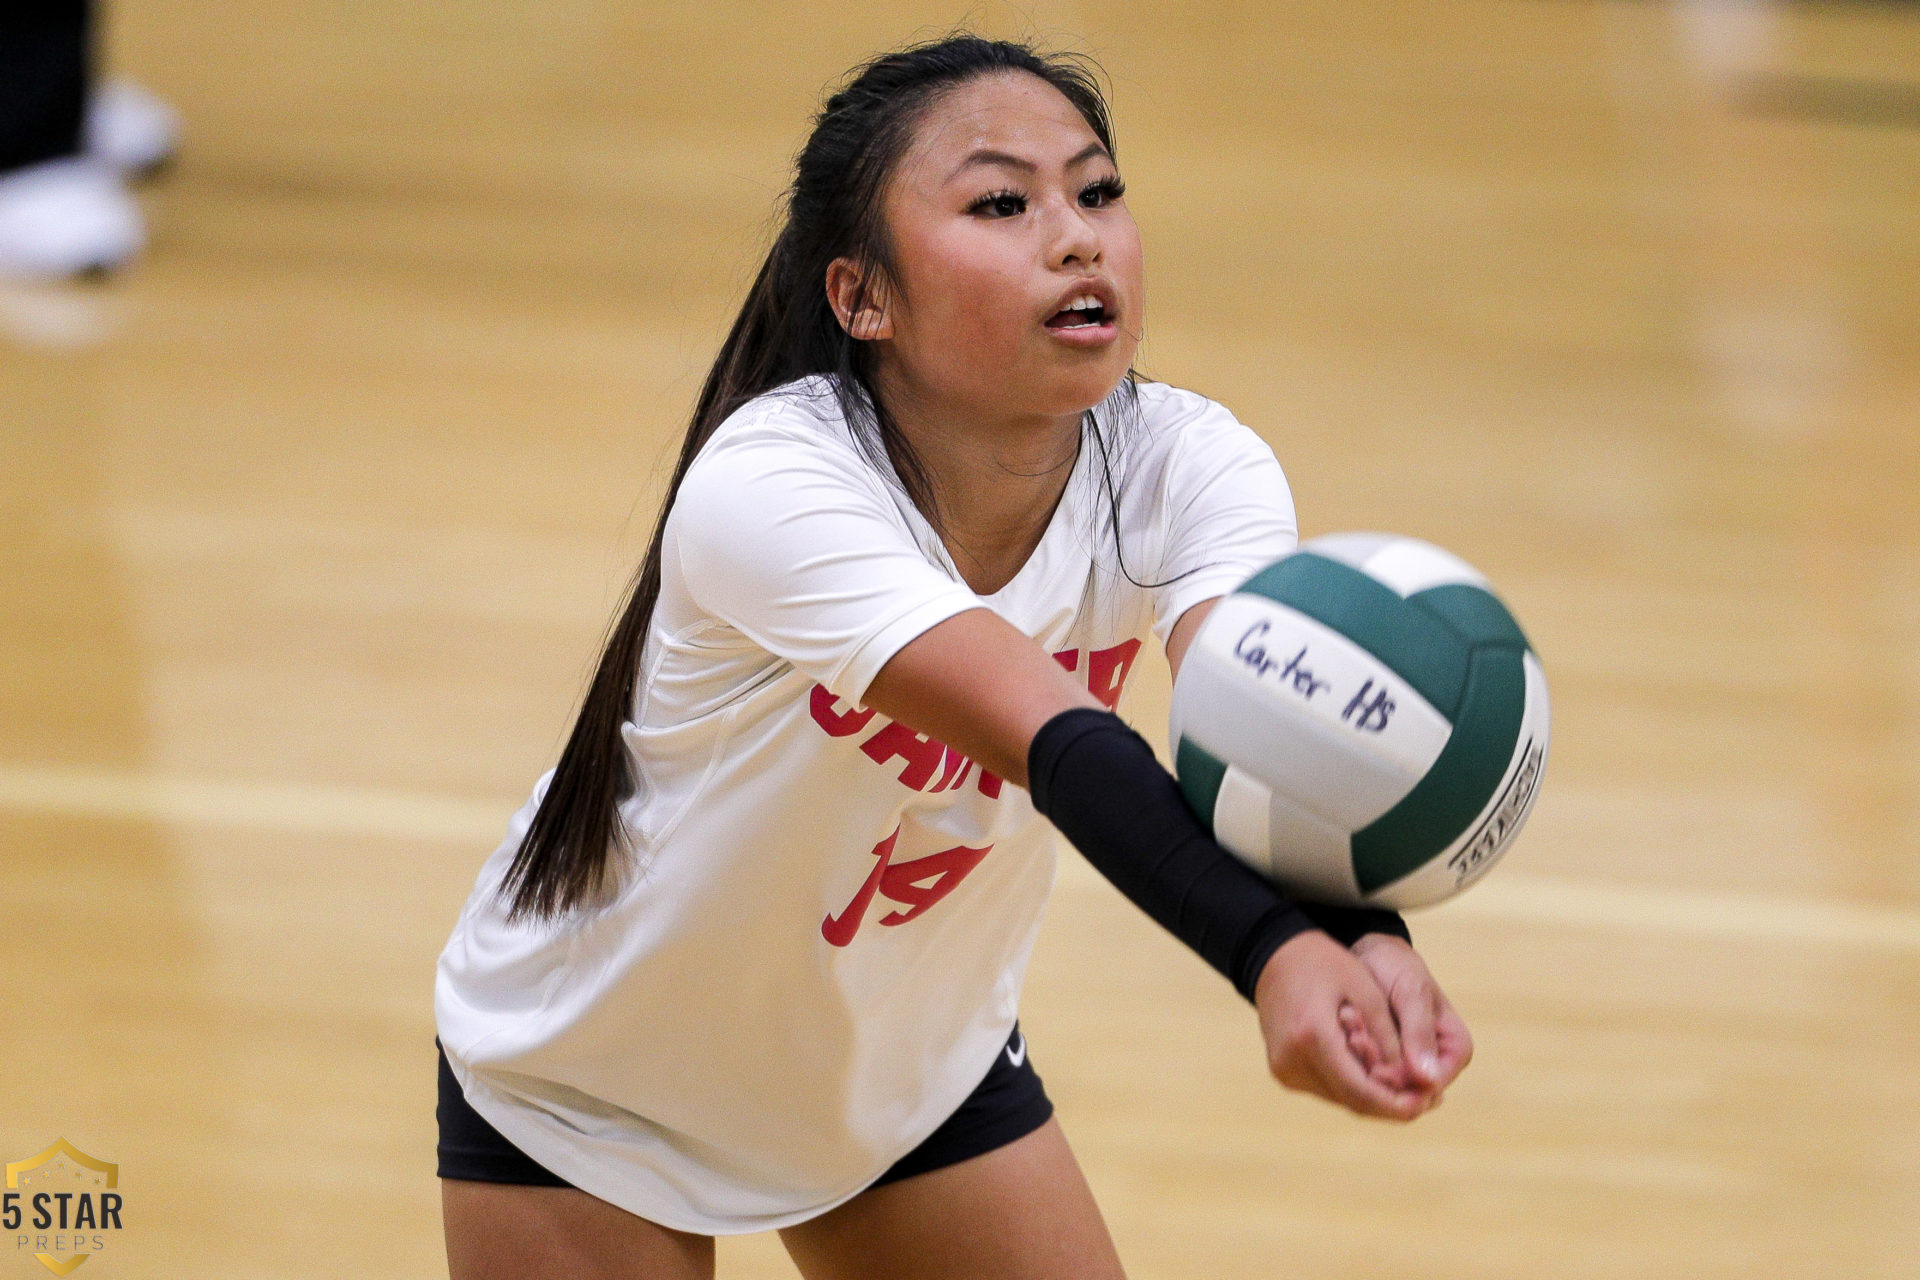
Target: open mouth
{"type": "Point", "coordinates": [1081, 313]}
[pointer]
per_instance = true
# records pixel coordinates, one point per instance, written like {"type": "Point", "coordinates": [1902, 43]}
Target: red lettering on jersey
{"type": "Point", "coordinates": [989, 782]}
{"type": "Point", "coordinates": [905, 883]}
{"type": "Point", "coordinates": [1107, 671]}
{"type": "Point", "coordinates": [839, 930]}
{"type": "Point", "coordinates": [922, 754]}
{"type": "Point", "coordinates": [953, 771]}
{"type": "Point", "coordinates": [902, 881]}
{"type": "Point", "coordinates": [924, 757]}
{"type": "Point", "coordinates": [838, 723]}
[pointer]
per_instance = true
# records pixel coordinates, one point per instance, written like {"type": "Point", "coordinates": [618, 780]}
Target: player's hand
{"type": "Point", "coordinates": [1330, 1031]}
{"type": "Point", "coordinates": [1434, 1045]}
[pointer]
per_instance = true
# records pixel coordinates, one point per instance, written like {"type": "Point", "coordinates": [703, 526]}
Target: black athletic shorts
{"type": "Point", "coordinates": [1008, 1104]}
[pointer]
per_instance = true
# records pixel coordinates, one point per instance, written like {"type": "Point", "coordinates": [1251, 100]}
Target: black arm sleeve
{"type": "Point", "coordinates": [1099, 782]}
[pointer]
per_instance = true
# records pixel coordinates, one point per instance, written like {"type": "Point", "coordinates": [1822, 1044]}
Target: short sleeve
{"type": "Point", "coordinates": [1227, 512]}
{"type": "Point", "coordinates": [795, 544]}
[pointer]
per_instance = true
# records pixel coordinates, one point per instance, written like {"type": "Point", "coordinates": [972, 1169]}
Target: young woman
{"type": "Point", "coordinates": [751, 955]}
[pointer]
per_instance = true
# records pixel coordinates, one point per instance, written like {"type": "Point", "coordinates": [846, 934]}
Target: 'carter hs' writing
{"type": "Point", "coordinates": [1369, 710]}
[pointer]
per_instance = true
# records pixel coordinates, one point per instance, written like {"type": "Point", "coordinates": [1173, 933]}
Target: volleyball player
{"type": "Point", "coordinates": [750, 957]}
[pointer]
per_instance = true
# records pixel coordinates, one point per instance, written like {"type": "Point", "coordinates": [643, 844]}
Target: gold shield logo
{"type": "Point", "coordinates": [61, 1203]}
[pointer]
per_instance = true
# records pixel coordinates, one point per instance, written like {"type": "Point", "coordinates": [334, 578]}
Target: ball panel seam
{"type": "Point", "coordinates": [1472, 613]}
{"type": "Point", "coordinates": [1466, 774]}
{"type": "Point", "coordinates": [1200, 773]}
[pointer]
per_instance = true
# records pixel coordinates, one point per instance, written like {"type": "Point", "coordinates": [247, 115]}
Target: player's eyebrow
{"type": "Point", "coordinates": [987, 156]}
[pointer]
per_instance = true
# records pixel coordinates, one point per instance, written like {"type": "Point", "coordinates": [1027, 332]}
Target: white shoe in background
{"type": "Point", "coordinates": [129, 128]}
{"type": "Point", "coordinates": [65, 218]}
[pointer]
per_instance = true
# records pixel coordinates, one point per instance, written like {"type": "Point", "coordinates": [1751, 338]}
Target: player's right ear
{"type": "Point", "coordinates": [858, 301]}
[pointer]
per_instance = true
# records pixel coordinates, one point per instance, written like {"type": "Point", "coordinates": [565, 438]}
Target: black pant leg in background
{"type": "Point", "coordinates": [44, 72]}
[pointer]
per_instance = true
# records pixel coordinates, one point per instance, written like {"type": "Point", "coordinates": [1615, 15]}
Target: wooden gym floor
{"type": "Point", "coordinates": [312, 522]}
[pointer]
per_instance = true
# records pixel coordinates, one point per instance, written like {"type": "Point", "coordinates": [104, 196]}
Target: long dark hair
{"type": "Point", "coordinates": [786, 330]}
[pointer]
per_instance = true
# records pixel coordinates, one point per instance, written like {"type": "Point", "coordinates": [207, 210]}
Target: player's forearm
{"type": "Point", "coordinates": [978, 684]}
{"type": "Point", "coordinates": [1101, 785]}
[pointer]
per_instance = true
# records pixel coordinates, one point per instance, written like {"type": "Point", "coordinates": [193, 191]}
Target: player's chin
{"type": "Point", "coordinates": [1081, 380]}
{"type": "Point", "coordinates": [1063, 397]}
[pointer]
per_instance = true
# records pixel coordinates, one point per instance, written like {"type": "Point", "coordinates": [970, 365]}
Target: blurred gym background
{"type": "Point", "coordinates": [314, 512]}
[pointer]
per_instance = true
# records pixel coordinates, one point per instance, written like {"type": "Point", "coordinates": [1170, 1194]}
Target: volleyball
{"type": "Point", "coordinates": [1362, 721]}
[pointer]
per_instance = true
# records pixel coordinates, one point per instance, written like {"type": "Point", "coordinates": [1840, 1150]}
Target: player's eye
{"type": "Point", "coordinates": [1096, 195]}
{"type": "Point", "coordinates": [999, 204]}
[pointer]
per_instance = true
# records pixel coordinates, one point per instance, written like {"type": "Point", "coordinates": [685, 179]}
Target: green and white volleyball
{"type": "Point", "coordinates": [1363, 721]}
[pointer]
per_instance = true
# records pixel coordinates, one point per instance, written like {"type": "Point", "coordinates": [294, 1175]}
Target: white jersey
{"type": "Point", "coordinates": [818, 937]}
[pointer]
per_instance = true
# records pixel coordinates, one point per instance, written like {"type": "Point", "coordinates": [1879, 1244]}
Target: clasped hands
{"type": "Point", "coordinates": [1365, 1027]}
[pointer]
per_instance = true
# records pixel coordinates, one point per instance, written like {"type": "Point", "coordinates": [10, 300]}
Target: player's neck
{"type": "Point", "coordinates": [996, 482]}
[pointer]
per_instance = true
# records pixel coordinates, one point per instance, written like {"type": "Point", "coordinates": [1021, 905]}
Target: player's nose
{"type": "Point", "coordinates": [1076, 240]}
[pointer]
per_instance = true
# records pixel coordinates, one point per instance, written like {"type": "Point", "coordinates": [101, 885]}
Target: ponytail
{"type": "Point", "coordinates": [562, 863]}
